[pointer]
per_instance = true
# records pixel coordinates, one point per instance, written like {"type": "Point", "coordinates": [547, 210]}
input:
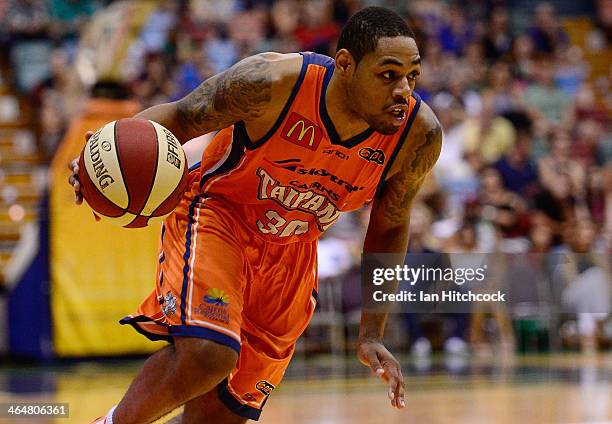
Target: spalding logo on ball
{"type": "Point", "coordinates": [132, 170]}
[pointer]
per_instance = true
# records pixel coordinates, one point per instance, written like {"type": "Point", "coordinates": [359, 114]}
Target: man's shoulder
{"type": "Point", "coordinates": [284, 67]}
{"type": "Point", "coordinates": [425, 120]}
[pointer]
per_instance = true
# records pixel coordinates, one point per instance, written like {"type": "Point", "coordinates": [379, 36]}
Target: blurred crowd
{"type": "Point", "coordinates": [525, 165]}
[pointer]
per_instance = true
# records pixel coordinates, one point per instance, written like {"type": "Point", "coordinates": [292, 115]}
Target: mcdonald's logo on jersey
{"type": "Point", "coordinates": [301, 131]}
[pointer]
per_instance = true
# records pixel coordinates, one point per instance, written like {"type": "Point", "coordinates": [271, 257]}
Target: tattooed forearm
{"type": "Point", "coordinates": [403, 187]}
{"type": "Point", "coordinates": [236, 94]}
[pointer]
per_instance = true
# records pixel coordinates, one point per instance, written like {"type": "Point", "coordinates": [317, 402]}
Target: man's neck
{"type": "Point", "coordinates": [347, 123]}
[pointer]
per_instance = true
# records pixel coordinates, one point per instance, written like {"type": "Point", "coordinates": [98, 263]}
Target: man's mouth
{"type": "Point", "coordinates": [399, 113]}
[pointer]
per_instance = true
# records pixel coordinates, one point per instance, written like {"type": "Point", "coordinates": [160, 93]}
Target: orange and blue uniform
{"type": "Point", "coordinates": [237, 261]}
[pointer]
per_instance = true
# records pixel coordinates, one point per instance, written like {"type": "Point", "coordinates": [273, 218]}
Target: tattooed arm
{"type": "Point", "coordinates": [251, 90]}
{"type": "Point", "coordinates": [388, 233]}
{"type": "Point", "coordinates": [389, 219]}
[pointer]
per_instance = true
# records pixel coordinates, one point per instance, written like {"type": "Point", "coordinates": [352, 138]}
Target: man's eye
{"type": "Point", "coordinates": [413, 75]}
{"type": "Point", "coordinates": [389, 75]}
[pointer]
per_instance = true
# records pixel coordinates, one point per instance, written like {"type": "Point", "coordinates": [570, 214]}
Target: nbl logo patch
{"type": "Point", "coordinates": [264, 387]}
{"type": "Point", "coordinates": [372, 155]}
{"type": "Point", "coordinates": [301, 131]}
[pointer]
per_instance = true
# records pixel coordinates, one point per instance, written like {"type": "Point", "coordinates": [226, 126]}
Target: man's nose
{"type": "Point", "coordinates": [402, 89]}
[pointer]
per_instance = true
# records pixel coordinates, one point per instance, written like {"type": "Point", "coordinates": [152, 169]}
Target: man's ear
{"type": "Point", "coordinates": [345, 63]}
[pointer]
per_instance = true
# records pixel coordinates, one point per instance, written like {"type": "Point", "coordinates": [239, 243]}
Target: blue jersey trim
{"type": "Point", "coordinates": [240, 129]}
{"type": "Point", "coordinates": [311, 58]}
{"type": "Point", "coordinates": [181, 331]}
{"type": "Point", "coordinates": [186, 258]}
{"type": "Point", "coordinates": [236, 153]}
{"type": "Point", "coordinates": [334, 137]}
{"type": "Point", "coordinates": [234, 405]}
{"type": "Point", "coordinates": [400, 143]}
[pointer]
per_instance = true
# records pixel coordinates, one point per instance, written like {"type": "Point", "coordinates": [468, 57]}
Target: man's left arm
{"type": "Point", "coordinates": [388, 233]}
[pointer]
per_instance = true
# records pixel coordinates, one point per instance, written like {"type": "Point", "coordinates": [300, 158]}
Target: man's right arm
{"type": "Point", "coordinates": [241, 93]}
{"type": "Point", "coordinates": [254, 89]}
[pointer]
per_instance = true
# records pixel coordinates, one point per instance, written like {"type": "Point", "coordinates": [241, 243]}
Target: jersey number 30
{"type": "Point", "coordinates": [277, 225]}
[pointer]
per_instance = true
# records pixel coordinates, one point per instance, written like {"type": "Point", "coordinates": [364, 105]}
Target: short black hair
{"type": "Point", "coordinates": [361, 33]}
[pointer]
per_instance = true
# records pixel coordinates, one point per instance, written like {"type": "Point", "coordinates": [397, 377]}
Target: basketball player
{"type": "Point", "coordinates": [302, 138]}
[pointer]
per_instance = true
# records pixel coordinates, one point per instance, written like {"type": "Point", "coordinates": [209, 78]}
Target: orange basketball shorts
{"type": "Point", "coordinates": [219, 281]}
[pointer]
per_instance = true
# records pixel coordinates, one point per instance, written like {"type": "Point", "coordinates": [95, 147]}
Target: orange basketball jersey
{"type": "Point", "coordinates": [294, 183]}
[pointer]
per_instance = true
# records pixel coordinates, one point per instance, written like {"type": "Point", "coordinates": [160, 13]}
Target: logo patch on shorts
{"type": "Point", "coordinates": [249, 397]}
{"type": "Point", "coordinates": [216, 297]}
{"type": "Point", "coordinates": [169, 304]}
{"type": "Point", "coordinates": [214, 306]}
{"type": "Point", "coordinates": [264, 387]}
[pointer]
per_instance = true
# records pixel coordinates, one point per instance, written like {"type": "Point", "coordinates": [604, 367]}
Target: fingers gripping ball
{"type": "Point", "coordinates": [132, 170]}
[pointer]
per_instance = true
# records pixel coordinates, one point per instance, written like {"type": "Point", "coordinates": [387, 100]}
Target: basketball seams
{"type": "Point", "coordinates": [88, 183]}
{"type": "Point", "coordinates": [120, 167]}
{"type": "Point", "coordinates": [152, 185]}
{"type": "Point", "coordinates": [168, 185]}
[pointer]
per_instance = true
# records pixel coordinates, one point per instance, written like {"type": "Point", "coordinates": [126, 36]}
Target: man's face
{"type": "Point", "coordinates": [384, 79]}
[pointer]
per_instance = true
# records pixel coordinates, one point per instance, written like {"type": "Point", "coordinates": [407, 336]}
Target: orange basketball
{"type": "Point", "coordinates": [132, 170]}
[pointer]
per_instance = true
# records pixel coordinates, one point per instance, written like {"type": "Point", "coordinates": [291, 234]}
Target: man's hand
{"type": "Point", "coordinates": [73, 180]}
{"type": "Point", "coordinates": [373, 354]}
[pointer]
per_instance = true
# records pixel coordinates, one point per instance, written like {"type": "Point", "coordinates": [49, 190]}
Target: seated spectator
{"type": "Point", "coordinates": [155, 32]}
{"type": "Point", "coordinates": [586, 281]}
{"type": "Point", "coordinates": [547, 33]}
{"type": "Point", "coordinates": [546, 103]}
{"type": "Point", "coordinates": [503, 208]}
{"type": "Point", "coordinates": [456, 33]}
{"type": "Point", "coordinates": [540, 237]}
{"type": "Point", "coordinates": [563, 180]}
{"type": "Point", "coordinates": [518, 172]}
{"type": "Point", "coordinates": [220, 50]}
{"type": "Point", "coordinates": [153, 86]}
{"type": "Point", "coordinates": [497, 41]}
{"type": "Point", "coordinates": [505, 91]}
{"type": "Point", "coordinates": [423, 251]}
{"type": "Point", "coordinates": [570, 70]}
{"type": "Point", "coordinates": [488, 135]}
{"type": "Point", "coordinates": [523, 58]}
{"type": "Point", "coordinates": [317, 29]}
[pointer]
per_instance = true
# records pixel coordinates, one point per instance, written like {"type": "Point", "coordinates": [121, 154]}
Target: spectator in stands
{"type": "Point", "coordinates": [597, 193]}
{"type": "Point", "coordinates": [570, 70]}
{"type": "Point", "coordinates": [563, 181]}
{"type": "Point", "coordinates": [504, 209]}
{"type": "Point", "coordinates": [454, 174]}
{"type": "Point", "coordinates": [547, 33]}
{"type": "Point", "coordinates": [282, 22]}
{"type": "Point", "coordinates": [540, 237]}
{"type": "Point", "coordinates": [317, 29]}
{"type": "Point", "coordinates": [220, 50]}
{"type": "Point", "coordinates": [27, 24]}
{"type": "Point", "coordinates": [67, 19]}
{"type": "Point", "coordinates": [586, 281]}
{"type": "Point", "coordinates": [455, 34]}
{"type": "Point", "coordinates": [422, 250]}
{"type": "Point", "coordinates": [27, 18]}
{"type": "Point", "coordinates": [488, 135]}
{"type": "Point", "coordinates": [155, 33]}
{"type": "Point", "coordinates": [547, 104]}
{"type": "Point", "coordinates": [523, 58]}
{"type": "Point", "coordinates": [153, 86]}
{"type": "Point", "coordinates": [519, 174]}
{"type": "Point", "coordinates": [505, 91]}
{"type": "Point", "coordinates": [497, 41]}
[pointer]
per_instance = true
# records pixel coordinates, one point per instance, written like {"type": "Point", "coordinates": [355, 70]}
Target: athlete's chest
{"type": "Point", "coordinates": [301, 161]}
